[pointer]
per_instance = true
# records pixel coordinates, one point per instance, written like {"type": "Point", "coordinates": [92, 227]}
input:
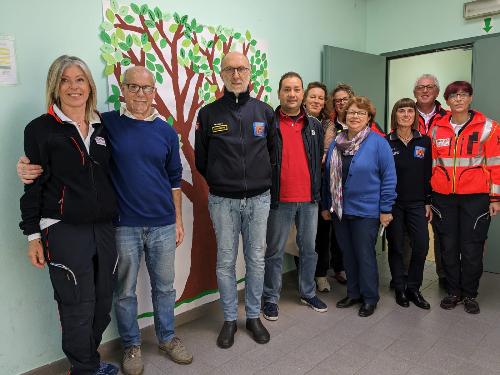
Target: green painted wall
{"type": "Point", "coordinates": [295, 32]}
{"type": "Point", "coordinates": [393, 25]}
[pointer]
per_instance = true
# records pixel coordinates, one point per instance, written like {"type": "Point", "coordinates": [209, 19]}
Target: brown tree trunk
{"type": "Point", "coordinates": [203, 246]}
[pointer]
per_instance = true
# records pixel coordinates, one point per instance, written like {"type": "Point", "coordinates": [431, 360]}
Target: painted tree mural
{"type": "Point", "coordinates": [185, 57]}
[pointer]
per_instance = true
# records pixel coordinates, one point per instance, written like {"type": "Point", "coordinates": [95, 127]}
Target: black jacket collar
{"type": "Point", "coordinates": [393, 136]}
{"type": "Point", "coordinates": [242, 98]}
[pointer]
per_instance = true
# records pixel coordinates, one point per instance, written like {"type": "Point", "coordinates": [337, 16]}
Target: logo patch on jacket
{"type": "Point", "coordinates": [100, 141]}
{"type": "Point", "coordinates": [259, 129]}
{"type": "Point", "coordinates": [442, 142]}
{"type": "Point", "coordinates": [220, 128]}
{"type": "Point", "coordinates": [419, 152]}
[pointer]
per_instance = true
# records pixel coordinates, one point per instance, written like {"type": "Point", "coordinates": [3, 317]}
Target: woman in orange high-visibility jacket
{"type": "Point", "coordinates": [466, 191]}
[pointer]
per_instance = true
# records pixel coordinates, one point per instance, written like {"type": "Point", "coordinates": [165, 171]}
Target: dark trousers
{"type": "Point", "coordinates": [82, 262]}
{"type": "Point", "coordinates": [357, 237]}
{"type": "Point", "coordinates": [409, 215]}
{"type": "Point", "coordinates": [329, 253]}
{"type": "Point", "coordinates": [462, 222]}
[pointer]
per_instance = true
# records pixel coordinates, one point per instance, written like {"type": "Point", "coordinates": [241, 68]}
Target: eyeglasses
{"type": "Point", "coordinates": [458, 95]}
{"type": "Point", "coordinates": [231, 70]}
{"type": "Point", "coordinates": [134, 89]}
{"type": "Point", "coordinates": [423, 87]}
{"type": "Point", "coordinates": [356, 113]}
{"type": "Point", "coordinates": [341, 100]}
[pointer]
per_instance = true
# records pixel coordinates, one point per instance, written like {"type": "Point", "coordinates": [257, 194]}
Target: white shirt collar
{"type": "Point", "coordinates": [126, 112]}
{"type": "Point", "coordinates": [94, 120]}
{"type": "Point", "coordinates": [427, 116]}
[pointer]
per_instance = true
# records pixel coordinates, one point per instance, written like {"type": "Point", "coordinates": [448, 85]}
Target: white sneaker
{"type": "Point", "coordinates": [322, 284]}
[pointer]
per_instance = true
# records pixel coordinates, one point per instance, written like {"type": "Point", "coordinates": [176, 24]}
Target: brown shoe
{"type": "Point", "coordinates": [176, 350]}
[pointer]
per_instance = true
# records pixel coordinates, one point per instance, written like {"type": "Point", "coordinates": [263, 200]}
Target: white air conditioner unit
{"type": "Point", "coordinates": [481, 8]}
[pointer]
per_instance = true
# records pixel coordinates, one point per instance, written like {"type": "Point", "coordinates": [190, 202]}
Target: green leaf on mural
{"type": "Point", "coordinates": [199, 29]}
{"type": "Point", "coordinates": [150, 24]}
{"type": "Point", "coordinates": [223, 37]}
{"type": "Point", "coordinates": [216, 61]}
{"type": "Point", "coordinates": [114, 40]}
{"type": "Point", "coordinates": [110, 15]}
{"type": "Point", "coordinates": [184, 19]}
{"type": "Point", "coordinates": [156, 35]}
{"type": "Point", "coordinates": [186, 43]}
{"type": "Point", "coordinates": [124, 46]}
{"type": "Point", "coordinates": [206, 96]}
{"type": "Point", "coordinates": [167, 17]}
{"type": "Point", "coordinates": [116, 91]}
{"type": "Point", "coordinates": [123, 11]}
{"type": "Point", "coordinates": [129, 40]}
{"type": "Point", "coordinates": [253, 42]}
{"type": "Point", "coordinates": [151, 57]}
{"type": "Point", "coordinates": [114, 5]}
{"type": "Point", "coordinates": [105, 25]}
{"type": "Point", "coordinates": [268, 89]}
{"type": "Point", "coordinates": [237, 35]}
{"type": "Point", "coordinates": [144, 38]}
{"type": "Point", "coordinates": [159, 78]}
{"type": "Point", "coordinates": [218, 45]}
{"type": "Point", "coordinates": [203, 66]}
{"type": "Point", "coordinates": [159, 68]}
{"type": "Point", "coordinates": [258, 61]}
{"type": "Point", "coordinates": [197, 59]}
{"type": "Point", "coordinates": [216, 70]}
{"type": "Point", "coordinates": [177, 18]}
{"type": "Point", "coordinates": [213, 88]}
{"type": "Point", "coordinates": [105, 37]}
{"type": "Point", "coordinates": [257, 54]}
{"type": "Point", "coordinates": [147, 47]}
{"type": "Point", "coordinates": [158, 13]}
{"type": "Point", "coordinates": [110, 60]}
{"type": "Point", "coordinates": [113, 98]}
{"type": "Point", "coordinates": [117, 105]}
{"type": "Point", "coordinates": [108, 70]}
{"type": "Point", "coordinates": [163, 43]}
{"type": "Point", "coordinates": [196, 49]}
{"type": "Point", "coordinates": [196, 68]}
{"type": "Point", "coordinates": [266, 98]}
{"type": "Point", "coordinates": [107, 48]}
{"type": "Point", "coordinates": [182, 53]}
{"type": "Point", "coordinates": [129, 19]}
{"type": "Point", "coordinates": [211, 29]}
{"type": "Point", "coordinates": [173, 27]}
{"type": "Point", "coordinates": [150, 65]}
{"type": "Point", "coordinates": [170, 120]}
{"type": "Point", "coordinates": [144, 9]}
{"type": "Point", "coordinates": [126, 61]}
{"type": "Point", "coordinates": [120, 34]}
{"type": "Point", "coordinates": [135, 8]}
{"type": "Point", "coordinates": [210, 44]}
{"type": "Point", "coordinates": [248, 36]}
{"type": "Point", "coordinates": [137, 40]}
{"type": "Point", "coordinates": [151, 15]}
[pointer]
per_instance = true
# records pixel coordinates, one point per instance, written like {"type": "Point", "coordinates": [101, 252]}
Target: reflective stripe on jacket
{"type": "Point", "coordinates": [470, 162]}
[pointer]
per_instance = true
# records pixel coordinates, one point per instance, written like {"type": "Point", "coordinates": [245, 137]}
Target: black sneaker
{"type": "Point", "coordinates": [314, 303]}
{"type": "Point", "coordinates": [471, 306]}
{"type": "Point", "coordinates": [450, 302]}
{"type": "Point", "coordinates": [270, 311]}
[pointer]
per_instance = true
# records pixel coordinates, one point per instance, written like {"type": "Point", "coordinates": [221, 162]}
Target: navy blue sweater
{"type": "Point", "coordinates": [145, 167]}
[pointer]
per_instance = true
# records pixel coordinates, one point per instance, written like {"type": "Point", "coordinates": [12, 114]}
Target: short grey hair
{"type": "Point", "coordinates": [124, 75]}
{"type": "Point", "coordinates": [429, 76]}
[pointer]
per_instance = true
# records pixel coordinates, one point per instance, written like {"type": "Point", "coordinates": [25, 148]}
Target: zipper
{"type": "Point", "coordinates": [454, 166]}
{"type": "Point", "coordinates": [82, 155]}
{"type": "Point", "coordinates": [242, 141]}
{"type": "Point", "coordinates": [61, 201]}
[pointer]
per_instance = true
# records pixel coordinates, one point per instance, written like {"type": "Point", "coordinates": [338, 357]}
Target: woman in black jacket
{"type": "Point", "coordinates": [67, 212]}
{"type": "Point", "coordinates": [412, 211]}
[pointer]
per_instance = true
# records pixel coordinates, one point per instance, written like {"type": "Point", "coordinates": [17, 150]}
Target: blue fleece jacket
{"type": "Point", "coordinates": [145, 167]}
{"type": "Point", "coordinates": [370, 188]}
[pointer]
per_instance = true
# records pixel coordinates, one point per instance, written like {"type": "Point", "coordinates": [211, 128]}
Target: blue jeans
{"type": "Point", "coordinates": [158, 245]}
{"type": "Point", "coordinates": [230, 217]}
{"type": "Point", "coordinates": [357, 237]}
{"type": "Point", "coordinates": [305, 215]}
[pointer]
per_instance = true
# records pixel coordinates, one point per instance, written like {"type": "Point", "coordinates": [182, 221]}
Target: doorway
{"type": "Point", "coordinates": [447, 65]}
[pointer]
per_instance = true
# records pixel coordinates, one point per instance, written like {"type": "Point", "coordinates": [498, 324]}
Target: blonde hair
{"type": "Point", "coordinates": [54, 75]}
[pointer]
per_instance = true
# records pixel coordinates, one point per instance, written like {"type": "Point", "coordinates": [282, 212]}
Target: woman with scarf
{"type": "Point", "coordinates": [361, 182]}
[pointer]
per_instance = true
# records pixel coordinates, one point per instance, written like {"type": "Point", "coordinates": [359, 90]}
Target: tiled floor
{"type": "Point", "coordinates": [394, 340]}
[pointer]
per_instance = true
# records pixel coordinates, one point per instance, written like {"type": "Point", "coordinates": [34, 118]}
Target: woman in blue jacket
{"type": "Point", "coordinates": [361, 182]}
